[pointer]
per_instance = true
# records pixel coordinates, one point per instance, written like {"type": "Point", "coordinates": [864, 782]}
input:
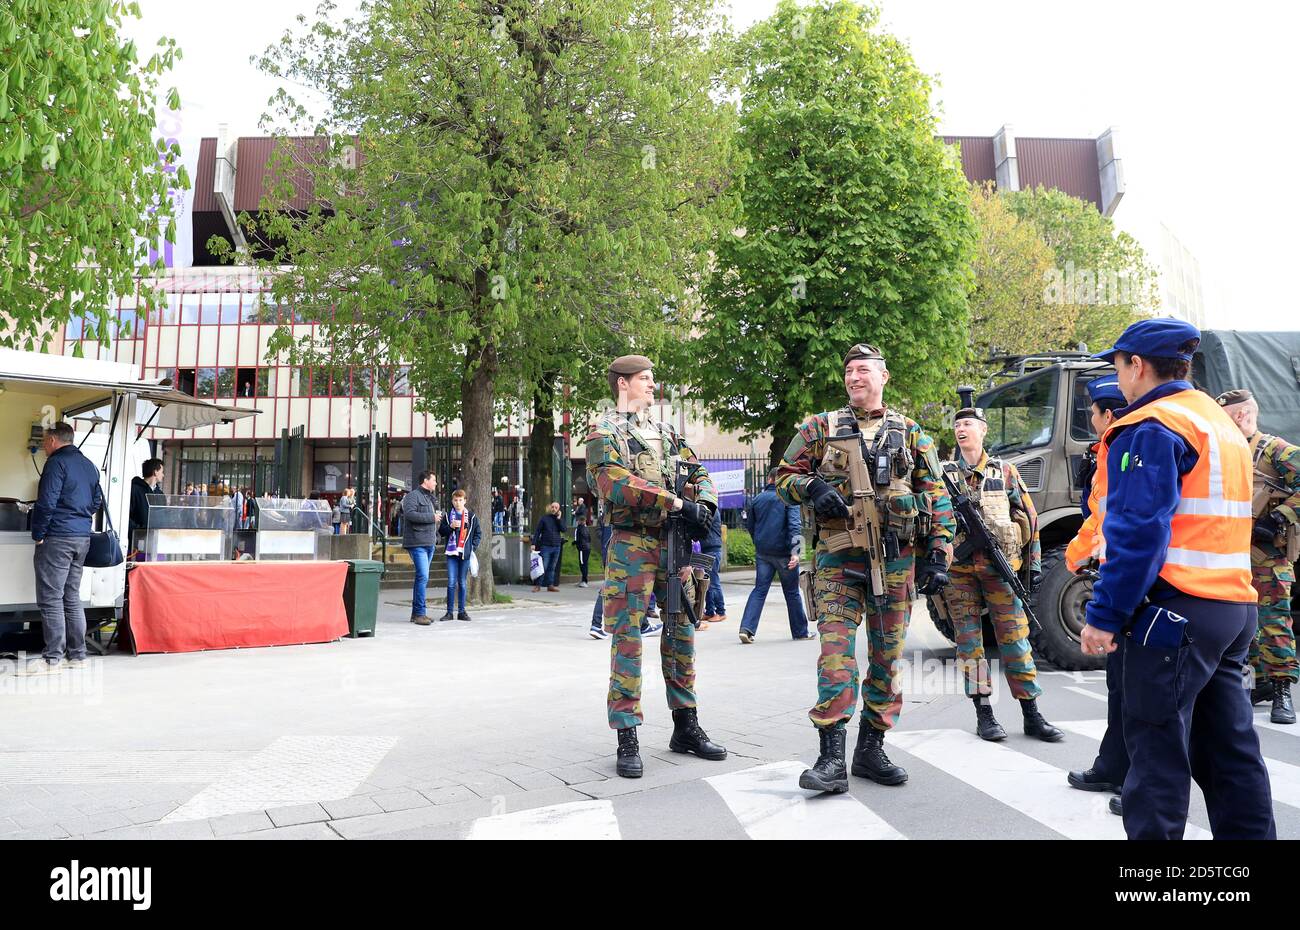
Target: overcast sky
{"type": "Point", "coordinates": [1203, 95]}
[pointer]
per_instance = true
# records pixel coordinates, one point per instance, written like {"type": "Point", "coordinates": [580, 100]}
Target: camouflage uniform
{"type": "Point", "coordinates": [842, 606]}
{"type": "Point", "coordinates": [975, 584]}
{"type": "Point", "coordinates": [1272, 654]}
{"type": "Point", "coordinates": [637, 510]}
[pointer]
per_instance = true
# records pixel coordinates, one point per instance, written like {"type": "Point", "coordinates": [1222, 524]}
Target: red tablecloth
{"type": "Point", "coordinates": [191, 606]}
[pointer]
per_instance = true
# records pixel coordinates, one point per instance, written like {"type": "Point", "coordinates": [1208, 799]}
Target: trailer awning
{"type": "Point", "coordinates": [166, 407]}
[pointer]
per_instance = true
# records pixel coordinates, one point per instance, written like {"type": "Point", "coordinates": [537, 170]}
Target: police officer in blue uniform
{"type": "Point", "coordinates": [1111, 765]}
{"type": "Point", "coordinates": [1173, 598]}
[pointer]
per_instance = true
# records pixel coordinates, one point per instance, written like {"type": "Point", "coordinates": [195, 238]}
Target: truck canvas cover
{"type": "Point", "coordinates": [1268, 363]}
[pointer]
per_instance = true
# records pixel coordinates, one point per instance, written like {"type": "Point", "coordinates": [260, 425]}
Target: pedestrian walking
{"type": "Point", "coordinates": [548, 539]}
{"type": "Point", "coordinates": [1174, 593]}
{"type": "Point", "coordinates": [777, 531]}
{"type": "Point", "coordinates": [67, 499]}
{"type": "Point", "coordinates": [582, 540]}
{"type": "Point", "coordinates": [715, 607]}
{"type": "Point", "coordinates": [420, 521]}
{"type": "Point", "coordinates": [498, 512]}
{"type": "Point", "coordinates": [460, 529]}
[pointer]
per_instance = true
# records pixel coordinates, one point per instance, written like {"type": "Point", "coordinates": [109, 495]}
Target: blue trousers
{"type": "Point", "coordinates": [1112, 757]}
{"type": "Point", "coordinates": [457, 572]}
{"type": "Point", "coordinates": [1187, 715]}
{"type": "Point", "coordinates": [713, 603]}
{"type": "Point", "coordinates": [420, 558]}
{"type": "Point", "coordinates": [551, 561]}
{"type": "Point", "coordinates": [767, 566]}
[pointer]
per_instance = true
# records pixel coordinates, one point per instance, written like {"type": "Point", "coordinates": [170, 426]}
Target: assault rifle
{"type": "Point", "coordinates": [864, 516]}
{"type": "Point", "coordinates": [980, 539]}
{"type": "Point", "coordinates": [680, 555]}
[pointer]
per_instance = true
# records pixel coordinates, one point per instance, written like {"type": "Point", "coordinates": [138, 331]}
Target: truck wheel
{"type": "Point", "coordinates": [1059, 603]}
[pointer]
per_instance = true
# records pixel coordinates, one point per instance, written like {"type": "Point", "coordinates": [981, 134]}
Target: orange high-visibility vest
{"type": "Point", "coordinates": [1088, 542]}
{"type": "Point", "coordinates": [1209, 544]}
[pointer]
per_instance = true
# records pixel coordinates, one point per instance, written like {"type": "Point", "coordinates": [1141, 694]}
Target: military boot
{"type": "Point", "coordinates": [870, 761]}
{"type": "Point", "coordinates": [689, 737]}
{"type": "Point", "coordinates": [1261, 692]}
{"type": "Point", "coordinates": [1035, 725]}
{"type": "Point", "coordinates": [986, 727]}
{"type": "Point", "coordinates": [1283, 711]}
{"type": "Point", "coordinates": [827, 773]}
{"type": "Point", "coordinates": [629, 754]}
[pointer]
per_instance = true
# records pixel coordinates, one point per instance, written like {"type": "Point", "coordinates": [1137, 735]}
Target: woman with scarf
{"type": "Point", "coordinates": [460, 529]}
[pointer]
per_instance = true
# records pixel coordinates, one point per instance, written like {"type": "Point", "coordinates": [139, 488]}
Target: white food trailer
{"type": "Point", "coordinates": [110, 407]}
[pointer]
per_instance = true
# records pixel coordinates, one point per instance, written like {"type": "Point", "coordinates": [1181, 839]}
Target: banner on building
{"type": "Point", "coordinates": [729, 478]}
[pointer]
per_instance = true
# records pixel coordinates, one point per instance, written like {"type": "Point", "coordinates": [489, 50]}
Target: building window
{"type": "Point", "coordinates": [320, 382]}
{"type": "Point", "coordinates": [185, 380]}
{"type": "Point", "coordinates": [206, 383]}
{"type": "Point", "coordinates": [264, 382]}
{"type": "Point", "coordinates": [245, 381]}
{"type": "Point", "coordinates": [229, 307]}
{"type": "Point", "coordinates": [402, 381]}
{"type": "Point", "coordinates": [190, 308]}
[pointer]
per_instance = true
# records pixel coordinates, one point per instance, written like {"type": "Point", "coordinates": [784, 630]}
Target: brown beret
{"type": "Point", "coordinates": [1235, 396]}
{"type": "Point", "coordinates": [630, 365]}
{"type": "Point", "coordinates": [862, 350]}
{"type": "Point", "coordinates": [973, 413]}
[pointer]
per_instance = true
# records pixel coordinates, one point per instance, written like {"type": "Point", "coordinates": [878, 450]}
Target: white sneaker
{"type": "Point", "coordinates": [43, 667]}
{"type": "Point", "coordinates": [652, 630]}
{"type": "Point", "coordinates": [76, 663]}
{"type": "Point", "coordinates": [582, 584]}
{"type": "Point", "coordinates": [597, 632]}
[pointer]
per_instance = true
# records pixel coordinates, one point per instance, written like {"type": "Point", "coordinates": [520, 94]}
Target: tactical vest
{"type": "Point", "coordinates": [888, 458]}
{"type": "Point", "coordinates": [1011, 531]}
{"type": "Point", "coordinates": [1268, 491]}
{"type": "Point", "coordinates": [635, 447]}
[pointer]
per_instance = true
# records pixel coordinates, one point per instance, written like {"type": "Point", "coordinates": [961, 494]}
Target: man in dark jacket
{"type": "Point", "coordinates": [148, 484]}
{"type": "Point", "coordinates": [68, 498]}
{"type": "Point", "coordinates": [420, 517]}
{"type": "Point", "coordinates": [548, 538]}
{"type": "Point", "coordinates": [778, 534]}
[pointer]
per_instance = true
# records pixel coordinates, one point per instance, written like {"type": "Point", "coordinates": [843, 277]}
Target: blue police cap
{"type": "Point", "coordinates": [1155, 339]}
{"type": "Point", "coordinates": [1105, 388]}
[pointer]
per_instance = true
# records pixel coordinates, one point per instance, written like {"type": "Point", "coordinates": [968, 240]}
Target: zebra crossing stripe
{"type": "Point", "coordinates": [1035, 788]}
{"type": "Point", "coordinates": [770, 805]}
{"type": "Point", "coordinates": [574, 820]}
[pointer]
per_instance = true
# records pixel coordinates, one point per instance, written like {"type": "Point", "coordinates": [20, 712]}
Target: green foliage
{"type": "Point", "coordinates": [1103, 273]}
{"type": "Point", "coordinates": [531, 187]}
{"type": "Point", "coordinates": [856, 227]}
{"type": "Point", "coordinates": [740, 547]}
{"type": "Point", "coordinates": [84, 183]}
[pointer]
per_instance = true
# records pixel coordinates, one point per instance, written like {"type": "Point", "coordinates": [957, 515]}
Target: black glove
{"type": "Point", "coordinates": [933, 576]}
{"type": "Point", "coordinates": [826, 500]}
{"type": "Point", "coordinates": [1035, 579]}
{"type": "Point", "coordinates": [1267, 528]}
{"type": "Point", "coordinates": [696, 514]}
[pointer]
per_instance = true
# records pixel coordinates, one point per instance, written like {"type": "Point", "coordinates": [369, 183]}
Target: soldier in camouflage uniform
{"type": "Point", "coordinates": [631, 464]}
{"type": "Point", "coordinates": [975, 584]}
{"type": "Point", "coordinates": [813, 472]}
{"type": "Point", "coordinates": [1274, 548]}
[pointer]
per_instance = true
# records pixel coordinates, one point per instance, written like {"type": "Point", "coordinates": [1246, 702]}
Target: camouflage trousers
{"type": "Point", "coordinates": [972, 587]}
{"type": "Point", "coordinates": [634, 569]}
{"type": "Point", "coordinates": [842, 607]}
{"type": "Point", "coordinates": [1272, 653]}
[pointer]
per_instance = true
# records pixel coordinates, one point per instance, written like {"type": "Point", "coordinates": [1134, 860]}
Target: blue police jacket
{"type": "Point", "coordinates": [1140, 505]}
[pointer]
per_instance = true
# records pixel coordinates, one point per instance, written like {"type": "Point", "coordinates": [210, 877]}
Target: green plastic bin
{"type": "Point", "coordinates": [361, 595]}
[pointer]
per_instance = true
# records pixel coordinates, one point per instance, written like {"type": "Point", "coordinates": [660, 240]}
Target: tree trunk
{"type": "Point", "coordinates": [541, 446]}
{"type": "Point", "coordinates": [477, 393]}
{"type": "Point", "coordinates": [784, 426]}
